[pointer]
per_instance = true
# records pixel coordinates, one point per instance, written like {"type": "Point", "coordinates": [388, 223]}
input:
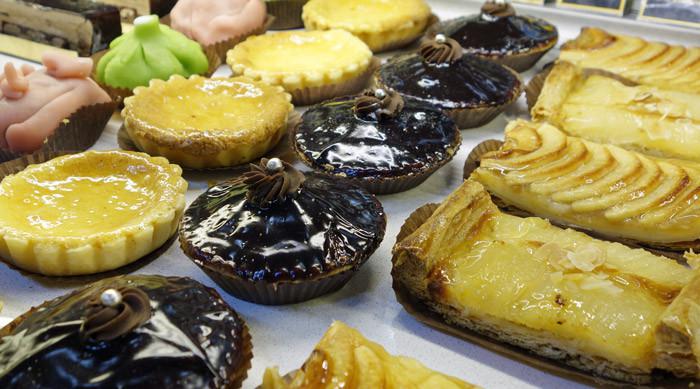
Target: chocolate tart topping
{"type": "Point", "coordinates": [441, 50]}
{"type": "Point", "coordinates": [271, 181]}
{"type": "Point", "coordinates": [378, 104]}
{"type": "Point", "coordinates": [497, 9]}
{"type": "Point", "coordinates": [115, 312]}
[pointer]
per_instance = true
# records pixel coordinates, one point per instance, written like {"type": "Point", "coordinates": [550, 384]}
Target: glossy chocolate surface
{"type": "Point", "coordinates": [192, 340]}
{"type": "Point", "coordinates": [469, 82]}
{"type": "Point", "coordinates": [499, 36]}
{"type": "Point", "coordinates": [327, 225]}
{"type": "Point", "coordinates": [333, 138]}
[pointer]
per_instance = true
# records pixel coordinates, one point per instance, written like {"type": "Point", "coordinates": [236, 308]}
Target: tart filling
{"type": "Point", "coordinates": [652, 63]}
{"type": "Point", "coordinates": [598, 306]}
{"type": "Point", "coordinates": [301, 59]}
{"type": "Point", "coordinates": [602, 109]}
{"type": "Point", "coordinates": [207, 122]}
{"type": "Point", "coordinates": [89, 212]}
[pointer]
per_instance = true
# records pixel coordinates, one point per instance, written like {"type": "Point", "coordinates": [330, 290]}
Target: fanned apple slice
{"type": "Point", "coordinates": [576, 154]}
{"type": "Point", "coordinates": [670, 208]}
{"type": "Point", "coordinates": [542, 145]}
{"type": "Point", "coordinates": [644, 61]}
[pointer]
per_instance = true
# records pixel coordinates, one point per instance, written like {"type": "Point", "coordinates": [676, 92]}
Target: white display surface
{"type": "Point", "coordinates": [285, 336]}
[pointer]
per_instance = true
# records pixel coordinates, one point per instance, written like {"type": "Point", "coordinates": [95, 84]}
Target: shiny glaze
{"type": "Point", "coordinates": [332, 136]}
{"type": "Point", "coordinates": [499, 36]}
{"type": "Point", "coordinates": [325, 226]}
{"type": "Point", "coordinates": [466, 83]}
{"type": "Point", "coordinates": [193, 340]}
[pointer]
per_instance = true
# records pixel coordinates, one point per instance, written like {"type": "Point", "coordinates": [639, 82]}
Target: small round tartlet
{"type": "Point", "coordinates": [90, 212]}
{"type": "Point", "coordinates": [134, 331]}
{"type": "Point", "coordinates": [382, 25]}
{"type": "Point", "coordinates": [469, 89]}
{"type": "Point", "coordinates": [378, 140]}
{"type": "Point", "coordinates": [275, 236]}
{"type": "Point", "coordinates": [203, 123]}
{"type": "Point", "coordinates": [311, 65]}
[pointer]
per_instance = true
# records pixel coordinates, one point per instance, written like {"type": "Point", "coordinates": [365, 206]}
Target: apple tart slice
{"type": "Point", "coordinates": [657, 64]}
{"type": "Point", "coordinates": [602, 108]}
{"type": "Point", "coordinates": [612, 192]}
{"type": "Point", "coordinates": [598, 306]}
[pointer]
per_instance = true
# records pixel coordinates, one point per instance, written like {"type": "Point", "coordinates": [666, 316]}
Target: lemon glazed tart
{"type": "Point", "coordinates": [311, 65]}
{"type": "Point", "coordinates": [605, 109]}
{"type": "Point", "coordinates": [90, 212]}
{"type": "Point", "coordinates": [597, 306]}
{"type": "Point", "coordinates": [653, 63]}
{"type": "Point", "coordinates": [382, 25]}
{"type": "Point", "coordinates": [612, 192]}
{"type": "Point", "coordinates": [346, 359]}
{"type": "Point", "coordinates": [202, 122]}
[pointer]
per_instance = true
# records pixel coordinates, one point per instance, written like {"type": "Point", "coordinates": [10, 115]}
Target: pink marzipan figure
{"type": "Point", "coordinates": [212, 21]}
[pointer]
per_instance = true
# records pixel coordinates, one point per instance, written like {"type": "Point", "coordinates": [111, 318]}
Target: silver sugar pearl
{"type": "Point", "coordinates": [111, 298]}
{"type": "Point", "coordinates": [440, 38]}
{"type": "Point", "coordinates": [274, 165]}
{"type": "Point", "coordinates": [380, 93]}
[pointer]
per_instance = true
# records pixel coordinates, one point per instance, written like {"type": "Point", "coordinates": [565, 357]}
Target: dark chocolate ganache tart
{"type": "Point", "coordinates": [128, 332]}
{"type": "Point", "coordinates": [375, 137]}
{"type": "Point", "coordinates": [498, 31]}
{"type": "Point", "coordinates": [442, 75]}
{"type": "Point", "coordinates": [276, 224]}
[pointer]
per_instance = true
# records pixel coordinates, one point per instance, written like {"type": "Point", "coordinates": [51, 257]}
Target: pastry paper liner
{"type": "Point", "coordinates": [670, 250]}
{"type": "Point", "coordinates": [286, 13]}
{"type": "Point", "coordinates": [425, 315]}
{"type": "Point", "coordinates": [77, 132]}
{"type": "Point", "coordinates": [384, 185]}
{"type": "Point", "coordinates": [317, 94]}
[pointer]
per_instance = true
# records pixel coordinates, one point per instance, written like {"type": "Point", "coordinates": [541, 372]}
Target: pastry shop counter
{"type": "Point", "coordinates": [285, 335]}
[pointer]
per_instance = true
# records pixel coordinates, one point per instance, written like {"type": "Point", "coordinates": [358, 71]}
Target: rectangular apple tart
{"type": "Point", "coordinates": [612, 192]}
{"type": "Point", "coordinates": [598, 306]}
{"type": "Point", "coordinates": [603, 109]}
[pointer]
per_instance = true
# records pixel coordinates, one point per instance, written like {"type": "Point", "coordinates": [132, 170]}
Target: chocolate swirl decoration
{"type": "Point", "coordinates": [115, 312]}
{"type": "Point", "coordinates": [379, 103]}
{"type": "Point", "coordinates": [441, 50]}
{"type": "Point", "coordinates": [272, 180]}
{"type": "Point", "coordinates": [497, 9]}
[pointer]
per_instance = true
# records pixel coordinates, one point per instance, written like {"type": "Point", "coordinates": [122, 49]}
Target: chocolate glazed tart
{"type": "Point", "coordinates": [385, 144]}
{"type": "Point", "coordinates": [276, 236]}
{"type": "Point", "coordinates": [128, 332]}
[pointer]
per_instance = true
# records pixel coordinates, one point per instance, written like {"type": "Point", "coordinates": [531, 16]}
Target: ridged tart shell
{"type": "Point", "coordinates": [89, 212]}
{"type": "Point", "coordinates": [658, 64]}
{"type": "Point", "coordinates": [382, 25]}
{"type": "Point", "coordinates": [200, 122]}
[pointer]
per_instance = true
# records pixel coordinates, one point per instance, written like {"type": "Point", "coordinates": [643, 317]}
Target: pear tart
{"type": "Point", "coordinates": [600, 307]}
{"type": "Point", "coordinates": [653, 63]}
{"type": "Point", "coordinates": [89, 212]}
{"type": "Point", "coordinates": [612, 192]}
{"type": "Point", "coordinates": [602, 108]}
{"type": "Point", "coordinates": [346, 359]}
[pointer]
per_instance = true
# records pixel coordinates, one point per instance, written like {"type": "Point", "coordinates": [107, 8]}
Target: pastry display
{"type": "Point", "coordinates": [499, 34]}
{"type": "Point", "coordinates": [83, 26]}
{"type": "Point", "coordinates": [219, 25]}
{"type": "Point", "coordinates": [128, 332]}
{"type": "Point", "coordinates": [131, 9]}
{"type": "Point", "coordinates": [275, 236]}
{"type": "Point", "coordinates": [311, 65]}
{"type": "Point", "coordinates": [150, 51]}
{"type": "Point", "coordinates": [603, 109]}
{"type": "Point", "coordinates": [602, 188]}
{"type": "Point", "coordinates": [600, 307]}
{"type": "Point", "coordinates": [89, 212]}
{"type": "Point", "coordinates": [286, 13]}
{"type": "Point", "coordinates": [35, 103]}
{"type": "Point", "coordinates": [469, 89]}
{"type": "Point", "coordinates": [202, 122]}
{"type": "Point", "coordinates": [656, 64]}
{"type": "Point", "coordinates": [376, 140]}
{"type": "Point", "coordinates": [346, 359]}
{"type": "Point", "coordinates": [382, 25]}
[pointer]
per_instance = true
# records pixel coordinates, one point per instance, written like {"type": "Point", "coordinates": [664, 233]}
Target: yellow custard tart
{"type": "Point", "coordinates": [201, 123]}
{"type": "Point", "coordinates": [311, 65]}
{"type": "Point", "coordinates": [382, 25]}
{"type": "Point", "coordinates": [346, 359]}
{"type": "Point", "coordinates": [603, 109]}
{"type": "Point", "coordinates": [90, 212]}
{"type": "Point", "coordinates": [658, 64]}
